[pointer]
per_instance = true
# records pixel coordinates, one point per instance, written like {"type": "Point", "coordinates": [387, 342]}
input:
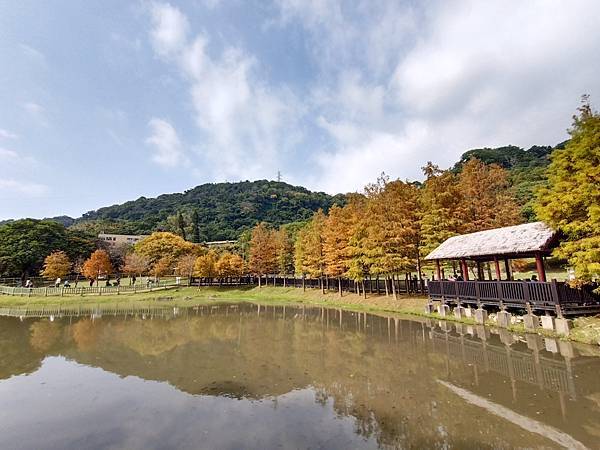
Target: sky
{"type": "Point", "coordinates": [106, 101]}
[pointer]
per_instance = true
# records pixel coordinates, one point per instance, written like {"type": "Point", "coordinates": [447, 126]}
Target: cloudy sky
{"type": "Point", "coordinates": [105, 101]}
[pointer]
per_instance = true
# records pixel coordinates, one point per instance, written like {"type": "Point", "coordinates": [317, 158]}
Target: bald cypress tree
{"type": "Point", "coordinates": [571, 200]}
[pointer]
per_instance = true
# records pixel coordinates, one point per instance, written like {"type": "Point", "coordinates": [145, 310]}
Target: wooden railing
{"type": "Point", "coordinates": [546, 296]}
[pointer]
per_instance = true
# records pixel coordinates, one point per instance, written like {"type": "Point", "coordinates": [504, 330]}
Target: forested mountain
{"type": "Point", "coordinates": [223, 210]}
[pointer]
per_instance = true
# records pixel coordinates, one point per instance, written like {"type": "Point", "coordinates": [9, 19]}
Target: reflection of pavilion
{"type": "Point", "coordinates": [546, 363]}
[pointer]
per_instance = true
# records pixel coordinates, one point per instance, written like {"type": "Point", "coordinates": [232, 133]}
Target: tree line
{"type": "Point", "coordinates": [385, 231]}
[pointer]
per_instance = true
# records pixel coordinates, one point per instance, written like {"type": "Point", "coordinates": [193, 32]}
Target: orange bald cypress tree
{"type": "Point", "coordinates": [263, 251]}
{"type": "Point", "coordinates": [336, 236]}
{"type": "Point", "coordinates": [486, 200]}
{"type": "Point", "coordinates": [97, 264]}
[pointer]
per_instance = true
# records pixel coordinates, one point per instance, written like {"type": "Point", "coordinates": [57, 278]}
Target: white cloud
{"type": "Point", "coordinates": [462, 79]}
{"type": "Point", "coordinates": [166, 143]}
{"type": "Point", "coordinates": [33, 108]}
{"type": "Point", "coordinates": [169, 28]}
{"type": "Point", "coordinates": [5, 134]}
{"type": "Point", "coordinates": [8, 154]}
{"type": "Point", "coordinates": [245, 122]}
{"type": "Point", "coordinates": [396, 84]}
{"type": "Point", "coordinates": [37, 112]}
{"type": "Point", "coordinates": [19, 187]}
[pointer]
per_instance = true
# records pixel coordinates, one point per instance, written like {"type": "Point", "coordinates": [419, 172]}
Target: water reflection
{"type": "Point", "coordinates": [241, 375]}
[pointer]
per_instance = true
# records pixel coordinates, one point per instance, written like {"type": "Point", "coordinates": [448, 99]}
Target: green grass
{"type": "Point", "coordinates": [586, 330]}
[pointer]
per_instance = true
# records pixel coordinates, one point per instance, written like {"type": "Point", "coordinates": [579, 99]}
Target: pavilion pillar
{"type": "Point", "coordinates": [438, 269]}
{"type": "Point", "coordinates": [507, 268]}
{"type": "Point", "coordinates": [498, 272]}
{"type": "Point", "coordinates": [465, 269]}
{"type": "Point", "coordinates": [480, 276]}
{"type": "Point", "coordinates": [539, 263]}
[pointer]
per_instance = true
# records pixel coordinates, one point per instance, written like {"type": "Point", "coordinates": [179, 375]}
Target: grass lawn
{"type": "Point", "coordinates": [188, 296]}
{"type": "Point", "coordinates": [586, 330]}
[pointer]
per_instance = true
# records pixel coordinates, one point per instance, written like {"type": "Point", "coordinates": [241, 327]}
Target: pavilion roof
{"type": "Point", "coordinates": [519, 240]}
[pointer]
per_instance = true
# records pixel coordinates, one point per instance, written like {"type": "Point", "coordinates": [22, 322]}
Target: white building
{"type": "Point", "coordinates": [115, 240]}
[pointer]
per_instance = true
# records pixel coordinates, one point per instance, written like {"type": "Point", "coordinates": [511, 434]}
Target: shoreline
{"type": "Point", "coordinates": [585, 330]}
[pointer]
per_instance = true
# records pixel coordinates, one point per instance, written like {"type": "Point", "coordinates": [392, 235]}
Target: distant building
{"type": "Point", "coordinates": [219, 244]}
{"type": "Point", "coordinates": [115, 240]}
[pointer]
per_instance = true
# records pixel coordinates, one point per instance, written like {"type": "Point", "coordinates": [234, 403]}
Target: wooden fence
{"type": "Point", "coordinates": [86, 290]}
{"type": "Point", "coordinates": [368, 285]}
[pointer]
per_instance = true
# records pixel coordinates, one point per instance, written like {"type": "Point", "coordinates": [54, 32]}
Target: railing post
{"type": "Point", "coordinates": [554, 290]}
{"type": "Point", "coordinates": [477, 293]}
{"type": "Point", "coordinates": [500, 294]}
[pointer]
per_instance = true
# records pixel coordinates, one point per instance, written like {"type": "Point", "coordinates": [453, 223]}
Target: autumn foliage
{"type": "Point", "coordinates": [97, 264]}
{"type": "Point", "coordinates": [56, 264]}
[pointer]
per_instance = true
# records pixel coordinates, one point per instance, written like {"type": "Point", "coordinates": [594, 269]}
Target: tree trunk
{"type": "Point", "coordinates": [340, 286]}
{"type": "Point", "coordinates": [394, 288]}
{"type": "Point", "coordinates": [364, 288]}
{"type": "Point", "coordinates": [387, 287]}
{"type": "Point", "coordinates": [259, 282]}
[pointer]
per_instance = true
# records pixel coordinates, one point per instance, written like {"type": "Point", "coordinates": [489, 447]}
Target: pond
{"type": "Point", "coordinates": [233, 376]}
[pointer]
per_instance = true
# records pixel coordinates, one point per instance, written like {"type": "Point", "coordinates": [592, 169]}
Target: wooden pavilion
{"type": "Point", "coordinates": [531, 240]}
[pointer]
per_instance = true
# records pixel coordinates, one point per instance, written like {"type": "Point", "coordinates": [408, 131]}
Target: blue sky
{"type": "Point", "coordinates": [105, 101]}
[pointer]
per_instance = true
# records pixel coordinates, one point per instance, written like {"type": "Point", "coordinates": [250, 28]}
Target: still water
{"type": "Point", "coordinates": [242, 376]}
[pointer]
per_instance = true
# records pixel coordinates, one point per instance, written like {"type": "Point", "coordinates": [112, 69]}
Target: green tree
{"type": "Point", "coordinates": [25, 243]}
{"type": "Point", "coordinates": [181, 225]}
{"type": "Point", "coordinates": [195, 227]}
{"type": "Point", "coordinates": [571, 200]}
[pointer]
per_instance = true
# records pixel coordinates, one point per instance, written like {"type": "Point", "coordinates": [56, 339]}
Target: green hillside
{"type": "Point", "coordinates": [224, 210]}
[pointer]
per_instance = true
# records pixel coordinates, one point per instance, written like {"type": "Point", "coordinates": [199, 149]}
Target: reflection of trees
{"type": "Point", "coordinates": [16, 356]}
{"type": "Point", "coordinates": [44, 334]}
{"type": "Point", "coordinates": [85, 333]}
{"type": "Point", "coordinates": [381, 372]}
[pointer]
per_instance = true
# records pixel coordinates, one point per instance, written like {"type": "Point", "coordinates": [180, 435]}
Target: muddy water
{"type": "Point", "coordinates": [242, 376]}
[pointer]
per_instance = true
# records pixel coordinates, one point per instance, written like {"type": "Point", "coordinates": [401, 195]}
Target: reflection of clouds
{"type": "Point", "coordinates": [524, 422]}
{"type": "Point", "coordinates": [102, 410]}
